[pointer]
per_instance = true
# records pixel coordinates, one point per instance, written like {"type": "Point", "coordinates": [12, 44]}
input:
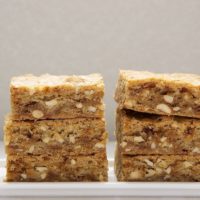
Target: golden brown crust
{"type": "Point", "coordinates": [165, 94]}
{"type": "Point", "coordinates": [57, 97]}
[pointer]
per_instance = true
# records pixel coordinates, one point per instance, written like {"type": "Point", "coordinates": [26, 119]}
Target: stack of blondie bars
{"type": "Point", "coordinates": [157, 127]}
{"type": "Point", "coordinates": [56, 130]}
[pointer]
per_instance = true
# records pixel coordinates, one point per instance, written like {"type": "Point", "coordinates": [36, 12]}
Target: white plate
{"type": "Point", "coordinates": [111, 188]}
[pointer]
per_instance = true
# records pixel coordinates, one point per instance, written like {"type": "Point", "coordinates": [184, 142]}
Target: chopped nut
{"type": "Point", "coordinates": [43, 176]}
{"type": "Point", "coordinates": [123, 144]}
{"type": "Point", "coordinates": [79, 105]}
{"type": "Point", "coordinates": [24, 176]}
{"type": "Point", "coordinates": [77, 147]}
{"type": "Point", "coordinates": [148, 162]}
{"type": "Point", "coordinates": [89, 92]}
{"type": "Point", "coordinates": [150, 172]}
{"type": "Point", "coordinates": [158, 170]}
{"type": "Point", "coordinates": [187, 164]}
{"type": "Point", "coordinates": [46, 139]}
{"type": "Point", "coordinates": [72, 139]}
{"type": "Point", "coordinates": [31, 149]}
{"type": "Point", "coordinates": [51, 103]}
{"type": "Point", "coordinates": [153, 145]}
{"type": "Point", "coordinates": [163, 139]}
{"type": "Point", "coordinates": [135, 175]}
{"type": "Point", "coordinates": [162, 163]}
{"type": "Point", "coordinates": [165, 144]}
{"type": "Point", "coordinates": [41, 169]}
{"type": "Point", "coordinates": [73, 162]}
{"type": "Point", "coordinates": [168, 98]}
{"type": "Point", "coordinates": [164, 108]}
{"type": "Point", "coordinates": [127, 150]}
{"type": "Point", "coordinates": [138, 139]}
{"type": "Point", "coordinates": [168, 170]}
{"type": "Point", "coordinates": [37, 114]}
{"type": "Point", "coordinates": [99, 145]}
{"type": "Point", "coordinates": [58, 138]}
{"type": "Point", "coordinates": [196, 150]}
{"type": "Point", "coordinates": [43, 128]}
{"type": "Point", "coordinates": [176, 108]}
{"type": "Point", "coordinates": [92, 109]}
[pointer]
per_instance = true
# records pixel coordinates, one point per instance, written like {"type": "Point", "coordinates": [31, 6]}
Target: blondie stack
{"type": "Point", "coordinates": [157, 127]}
{"type": "Point", "coordinates": [56, 130]}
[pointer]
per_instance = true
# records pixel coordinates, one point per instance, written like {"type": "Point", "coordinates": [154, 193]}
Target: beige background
{"type": "Point", "coordinates": [85, 36]}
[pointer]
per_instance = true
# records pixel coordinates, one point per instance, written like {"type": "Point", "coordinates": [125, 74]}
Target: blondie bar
{"type": "Point", "coordinates": [57, 97]}
{"type": "Point", "coordinates": [157, 168]}
{"type": "Point", "coordinates": [166, 94]}
{"type": "Point", "coordinates": [143, 133]}
{"type": "Point", "coordinates": [79, 136]}
{"type": "Point", "coordinates": [57, 168]}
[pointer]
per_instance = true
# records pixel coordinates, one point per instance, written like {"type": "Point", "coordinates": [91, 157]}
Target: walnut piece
{"type": "Point", "coordinates": [123, 144]}
{"type": "Point", "coordinates": [73, 162]}
{"type": "Point", "coordinates": [148, 162]}
{"type": "Point", "coordinates": [24, 176]}
{"type": "Point", "coordinates": [168, 98]}
{"type": "Point", "coordinates": [51, 103]}
{"type": "Point", "coordinates": [41, 169]}
{"type": "Point", "coordinates": [164, 108]}
{"type": "Point", "coordinates": [176, 108]}
{"type": "Point", "coordinates": [92, 109]}
{"type": "Point", "coordinates": [150, 172]}
{"type": "Point", "coordinates": [72, 139]}
{"type": "Point", "coordinates": [138, 139]}
{"type": "Point", "coordinates": [37, 114]}
{"type": "Point", "coordinates": [135, 175]}
{"type": "Point", "coordinates": [43, 176]}
{"type": "Point", "coordinates": [79, 105]}
{"type": "Point", "coordinates": [31, 149]}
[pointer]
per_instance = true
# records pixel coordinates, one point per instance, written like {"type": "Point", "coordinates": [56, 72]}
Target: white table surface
{"type": "Point", "coordinates": [110, 151]}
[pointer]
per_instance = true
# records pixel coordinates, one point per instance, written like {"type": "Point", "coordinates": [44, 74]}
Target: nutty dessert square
{"type": "Point", "coordinates": [79, 136]}
{"type": "Point", "coordinates": [143, 133]}
{"type": "Point", "coordinates": [60, 168]}
{"type": "Point", "coordinates": [165, 94]}
{"type": "Point", "coordinates": [157, 168]}
{"type": "Point", "coordinates": [57, 97]}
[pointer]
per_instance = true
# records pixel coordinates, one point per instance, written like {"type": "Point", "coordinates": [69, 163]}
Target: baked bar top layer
{"type": "Point", "coordinates": [143, 133]}
{"type": "Point", "coordinates": [133, 76]}
{"type": "Point", "coordinates": [57, 97]}
{"type": "Point", "coordinates": [55, 81]}
{"type": "Point", "coordinates": [163, 94]}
